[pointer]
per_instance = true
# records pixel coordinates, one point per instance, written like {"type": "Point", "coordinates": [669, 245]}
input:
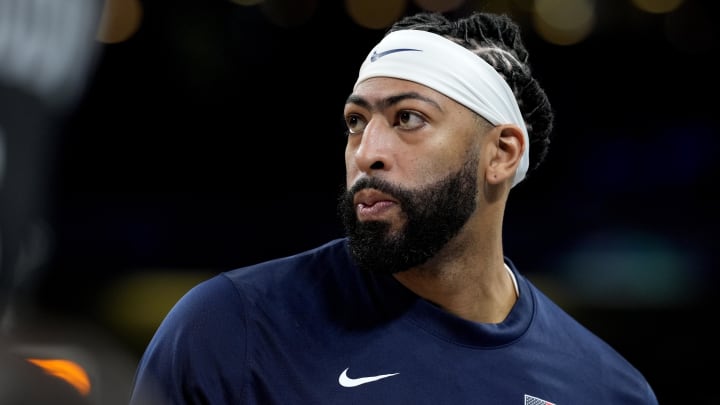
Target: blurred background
{"type": "Point", "coordinates": [148, 145]}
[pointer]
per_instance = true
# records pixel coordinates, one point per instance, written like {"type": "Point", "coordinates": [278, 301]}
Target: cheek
{"type": "Point", "coordinates": [438, 162]}
{"type": "Point", "coordinates": [350, 167]}
{"type": "Point", "coordinates": [437, 166]}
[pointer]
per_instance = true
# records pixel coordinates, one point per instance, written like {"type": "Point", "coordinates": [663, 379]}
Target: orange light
{"type": "Point", "coordinates": [67, 370]}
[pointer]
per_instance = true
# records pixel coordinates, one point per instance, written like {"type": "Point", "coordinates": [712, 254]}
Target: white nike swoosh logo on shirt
{"type": "Point", "coordinates": [346, 381]}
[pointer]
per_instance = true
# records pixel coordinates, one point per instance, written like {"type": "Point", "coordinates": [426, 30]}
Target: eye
{"type": "Point", "coordinates": [355, 124]}
{"type": "Point", "coordinates": [409, 120]}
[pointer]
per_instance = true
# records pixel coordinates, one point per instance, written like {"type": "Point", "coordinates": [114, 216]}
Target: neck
{"type": "Point", "coordinates": [474, 285]}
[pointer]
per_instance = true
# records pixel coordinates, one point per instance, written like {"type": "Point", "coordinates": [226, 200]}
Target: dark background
{"type": "Point", "coordinates": [213, 138]}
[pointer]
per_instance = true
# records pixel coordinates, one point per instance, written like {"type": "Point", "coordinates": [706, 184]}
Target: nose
{"type": "Point", "coordinates": [374, 151]}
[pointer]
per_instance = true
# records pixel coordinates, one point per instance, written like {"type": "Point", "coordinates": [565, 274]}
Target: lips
{"type": "Point", "coordinates": [370, 197]}
{"type": "Point", "coordinates": [371, 203]}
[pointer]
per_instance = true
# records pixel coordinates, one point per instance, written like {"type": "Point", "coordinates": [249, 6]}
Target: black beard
{"type": "Point", "coordinates": [434, 215]}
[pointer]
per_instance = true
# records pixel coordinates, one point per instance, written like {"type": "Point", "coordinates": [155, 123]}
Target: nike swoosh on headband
{"type": "Point", "coordinates": [348, 382]}
{"type": "Point", "coordinates": [377, 55]}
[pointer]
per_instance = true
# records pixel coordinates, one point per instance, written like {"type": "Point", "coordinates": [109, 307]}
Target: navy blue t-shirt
{"type": "Point", "coordinates": [313, 329]}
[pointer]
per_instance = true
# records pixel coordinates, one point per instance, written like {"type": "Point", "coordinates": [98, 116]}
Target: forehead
{"type": "Point", "coordinates": [378, 89]}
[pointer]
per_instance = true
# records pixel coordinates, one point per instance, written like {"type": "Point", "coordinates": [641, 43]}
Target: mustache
{"type": "Point", "coordinates": [378, 184]}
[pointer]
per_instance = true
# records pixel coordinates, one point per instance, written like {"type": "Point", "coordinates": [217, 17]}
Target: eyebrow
{"type": "Point", "coordinates": [390, 101]}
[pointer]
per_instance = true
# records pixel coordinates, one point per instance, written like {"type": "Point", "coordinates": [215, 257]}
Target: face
{"type": "Point", "coordinates": [412, 163]}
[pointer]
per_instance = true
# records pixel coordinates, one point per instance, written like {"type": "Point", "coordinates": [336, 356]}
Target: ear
{"type": "Point", "coordinates": [509, 148]}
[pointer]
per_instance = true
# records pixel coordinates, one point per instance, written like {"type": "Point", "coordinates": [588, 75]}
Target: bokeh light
{"type": "Point", "coordinates": [119, 21]}
{"type": "Point", "coordinates": [375, 14]}
{"type": "Point", "coordinates": [66, 370]}
{"type": "Point", "coordinates": [657, 6]}
{"type": "Point", "coordinates": [138, 302]}
{"type": "Point", "coordinates": [628, 268]}
{"type": "Point", "coordinates": [564, 22]}
{"type": "Point", "coordinates": [440, 6]}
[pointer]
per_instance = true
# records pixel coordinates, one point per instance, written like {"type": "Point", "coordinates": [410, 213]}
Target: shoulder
{"type": "Point", "coordinates": [306, 264]}
{"type": "Point", "coordinates": [205, 325]}
{"type": "Point", "coordinates": [223, 299]}
{"type": "Point", "coordinates": [567, 340]}
{"type": "Point", "coordinates": [226, 291]}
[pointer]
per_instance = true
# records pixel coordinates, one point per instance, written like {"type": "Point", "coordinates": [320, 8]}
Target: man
{"type": "Point", "coordinates": [418, 305]}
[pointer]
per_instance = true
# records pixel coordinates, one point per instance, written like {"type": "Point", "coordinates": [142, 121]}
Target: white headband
{"type": "Point", "coordinates": [436, 62]}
